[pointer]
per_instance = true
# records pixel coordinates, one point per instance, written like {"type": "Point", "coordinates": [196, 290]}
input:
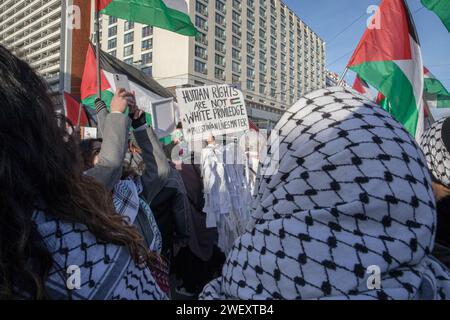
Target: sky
{"type": "Point", "coordinates": [337, 23]}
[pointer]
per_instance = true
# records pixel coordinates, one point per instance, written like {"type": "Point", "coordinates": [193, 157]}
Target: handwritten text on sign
{"type": "Point", "coordinates": [215, 110]}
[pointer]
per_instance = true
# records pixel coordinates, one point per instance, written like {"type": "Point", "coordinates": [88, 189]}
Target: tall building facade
{"type": "Point", "coordinates": [259, 46]}
{"type": "Point", "coordinates": [32, 28]}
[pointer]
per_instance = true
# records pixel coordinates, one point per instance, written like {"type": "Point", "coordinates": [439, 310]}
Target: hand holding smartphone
{"type": "Point", "coordinates": [121, 82]}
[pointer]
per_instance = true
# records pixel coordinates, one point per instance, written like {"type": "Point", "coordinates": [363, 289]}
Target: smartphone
{"type": "Point", "coordinates": [121, 81]}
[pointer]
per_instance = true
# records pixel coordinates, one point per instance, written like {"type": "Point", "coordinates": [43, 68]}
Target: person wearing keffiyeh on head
{"type": "Point", "coordinates": [352, 199]}
{"type": "Point", "coordinates": [435, 144]}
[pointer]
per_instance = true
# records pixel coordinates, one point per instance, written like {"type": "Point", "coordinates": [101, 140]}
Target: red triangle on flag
{"type": "Point", "coordinates": [73, 110]}
{"type": "Point", "coordinates": [360, 85]}
{"type": "Point", "coordinates": [89, 82]}
{"type": "Point", "coordinates": [102, 4]}
{"type": "Point", "coordinates": [380, 98]}
{"type": "Point", "coordinates": [388, 41]}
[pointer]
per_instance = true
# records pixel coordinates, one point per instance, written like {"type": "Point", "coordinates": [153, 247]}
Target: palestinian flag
{"type": "Point", "coordinates": [382, 102]}
{"type": "Point", "coordinates": [389, 59]}
{"type": "Point", "coordinates": [362, 87]}
{"type": "Point", "coordinates": [74, 111]}
{"type": "Point", "coordinates": [441, 8]}
{"type": "Point", "coordinates": [435, 93]}
{"type": "Point", "coordinates": [171, 15]}
{"type": "Point", "coordinates": [147, 90]}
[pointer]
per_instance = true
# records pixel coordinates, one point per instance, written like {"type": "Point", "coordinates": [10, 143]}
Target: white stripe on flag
{"type": "Point", "coordinates": [179, 5]}
{"type": "Point", "coordinates": [413, 70]}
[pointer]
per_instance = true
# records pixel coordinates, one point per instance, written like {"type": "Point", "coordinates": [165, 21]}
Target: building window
{"type": "Point", "coordinates": [112, 20]}
{"type": "Point", "coordinates": [236, 79]}
{"type": "Point", "coordinates": [250, 85]}
{"type": "Point", "coordinates": [236, 16]}
{"type": "Point", "coordinates": [201, 23]}
{"type": "Point", "coordinates": [236, 54]}
{"type": "Point", "coordinates": [236, 29]}
{"type": "Point", "coordinates": [236, 67]}
{"type": "Point", "coordinates": [201, 38]}
{"type": "Point", "coordinates": [220, 46]}
{"type": "Point", "coordinates": [273, 92]}
{"type": "Point", "coordinates": [147, 58]}
{"type": "Point", "coordinates": [128, 25]}
{"type": "Point", "coordinates": [250, 48]}
{"type": "Point", "coordinates": [128, 51]}
{"type": "Point", "coordinates": [262, 89]}
{"type": "Point", "coordinates": [219, 74]}
{"type": "Point", "coordinates": [220, 6]}
{"type": "Point", "coordinates": [201, 8]}
{"type": "Point", "coordinates": [112, 43]}
{"type": "Point", "coordinates": [250, 14]}
{"type": "Point", "coordinates": [200, 52]}
{"type": "Point", "coordinates": [220, 33]}
{"type": "Point", "coordinates": [147, 44]}
{"type": "Point", "coordinates": [250, 38]}
{"type": "Point", "coordinates": [250, 73]}
{"type": "Point", "coordinates": [273, 72]}
{"type": "Point", "coordinates": [147, 71]}
{"type": "Point", "coordinates": [262, 66]}
{"type": "Point", "coordinates": [250, 25]}
{"type": "Point", "coordinates": [112, 31]}
{"type": "Point", "coordinates": [236, 42]}
{"type": "Point", "coordinates": [113, 53]}
{"type": "Point", "coordinates": [220, 19]}
{"type": "Point", "coordinates": [147, 31]}
{"type": "Point", "coordinates": [262, 78]}
{"type": "Point", "coordinates": [200, 67]}
{"type": "Point", "coordinates": [250, 61]}
{"type": "Point", "coordinates": [220, 60]}
{"type": "Point", "coordinates": [128, 61]}
{"type": "Point", "coordinates": [128, 38]}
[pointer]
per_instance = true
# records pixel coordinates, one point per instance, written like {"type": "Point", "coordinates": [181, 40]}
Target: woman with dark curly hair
{"type": "Point", "coordinates": [54, 219]}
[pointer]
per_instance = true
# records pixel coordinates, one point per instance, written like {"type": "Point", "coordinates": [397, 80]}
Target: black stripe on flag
{"type": "Point", "coordinates": [113, 65]}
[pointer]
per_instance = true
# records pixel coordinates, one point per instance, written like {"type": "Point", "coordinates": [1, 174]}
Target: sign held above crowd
{"type": "Point", "coordinates": [215, 110]}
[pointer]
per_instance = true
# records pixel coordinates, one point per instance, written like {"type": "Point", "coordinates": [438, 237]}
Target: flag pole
{"type": "Point", "coordinates": [341, 78]}
{"type": "Point", "coordinates": [79, 116]}
{"type": "Point", "coordinates": [427, 108]}
{"type": "Point", "coordinates": [97, 48]}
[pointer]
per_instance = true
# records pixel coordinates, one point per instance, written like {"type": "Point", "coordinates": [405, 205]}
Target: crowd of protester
{"type": "Point", "coordinates": [353, 192]}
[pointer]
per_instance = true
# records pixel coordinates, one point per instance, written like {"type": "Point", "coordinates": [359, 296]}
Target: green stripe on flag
{"type": "Point", "coordinates": [390, 80]}
{"type": "Point", "coordinates": [152, 12]}
{"type": "Point", "coordinates": [441, 8]}
{"type": "Point", "coordinates": [434, 86]}
{"type": "Point", "coordinates": [106, 97]}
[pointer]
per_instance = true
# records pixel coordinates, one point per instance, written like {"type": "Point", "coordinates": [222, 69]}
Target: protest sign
{"type": "Point", "coordinates": [215, 110]}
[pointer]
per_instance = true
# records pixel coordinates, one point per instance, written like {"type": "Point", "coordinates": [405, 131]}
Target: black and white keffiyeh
{"type": "Point", "coordinates": [129, 203]}
{"type": "Point", "coordinates": [352, 194]}
{"type": "Point", "coordinates": [106, 271]}
{"type": "Point", "coordinates": [435, 144]}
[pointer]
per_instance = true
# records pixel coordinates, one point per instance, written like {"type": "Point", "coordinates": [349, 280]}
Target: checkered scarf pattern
{"type": "Point", "coordinates": [352, 192]}
{"type": "Point", "coordinates": [126, 199]}
{"type": "Point", "coordinates": [433, 144]}
{"type": "Point", "coordinates": [127, 202]}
